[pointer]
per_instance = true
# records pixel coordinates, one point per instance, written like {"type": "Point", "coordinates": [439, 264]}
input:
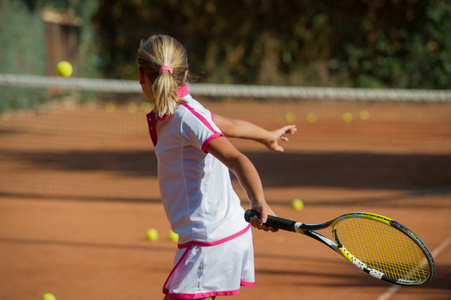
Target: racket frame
{"type": "Point", "coordinates": [308, 229]}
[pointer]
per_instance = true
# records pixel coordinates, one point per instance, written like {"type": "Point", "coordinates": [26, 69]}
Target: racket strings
{"type": "Point", "coordinates": [383, 248]}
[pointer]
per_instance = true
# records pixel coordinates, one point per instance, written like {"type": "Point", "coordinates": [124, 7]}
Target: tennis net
{"type": "Point", "coordinates": [87, 139]}
{"type": "Point", "coordinates": [241, 91]}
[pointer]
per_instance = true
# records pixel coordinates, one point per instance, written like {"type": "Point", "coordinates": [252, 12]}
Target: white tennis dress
{"type": "Point", "coordinates": [215, 253]}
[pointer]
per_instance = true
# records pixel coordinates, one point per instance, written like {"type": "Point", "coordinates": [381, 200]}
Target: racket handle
{"type": "Point", "coordinates": [274, 222]}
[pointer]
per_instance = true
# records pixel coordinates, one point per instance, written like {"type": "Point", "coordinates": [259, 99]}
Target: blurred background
{"type": "Point", "coordinates": [380, 43]}
{"type": "Point", "coordinates": [367, 83]}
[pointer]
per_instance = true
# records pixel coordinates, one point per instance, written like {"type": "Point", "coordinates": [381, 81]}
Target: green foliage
{"type": "Point", "coordinates": [21, 49]}
{"type": "Point", "coordinates": [23, 45]}
{"type": "Point", "coordinates": [379, 43]}
{"type": "Point", "coordinates": [400, 44]}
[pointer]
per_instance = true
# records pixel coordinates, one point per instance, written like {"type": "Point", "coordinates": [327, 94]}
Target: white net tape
{"type": "Point", "coordinates": [228, 90]}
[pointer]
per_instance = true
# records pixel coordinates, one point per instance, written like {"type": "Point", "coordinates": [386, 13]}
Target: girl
{"type": "Point", "coordinates": [215, 253]}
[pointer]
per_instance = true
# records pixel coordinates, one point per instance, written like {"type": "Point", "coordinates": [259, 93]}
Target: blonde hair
{"type": "Point", "coordinates": [158, 51]}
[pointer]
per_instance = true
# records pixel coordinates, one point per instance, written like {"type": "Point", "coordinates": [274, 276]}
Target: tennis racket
{"type": "Point", "coordinates": [375, 244]}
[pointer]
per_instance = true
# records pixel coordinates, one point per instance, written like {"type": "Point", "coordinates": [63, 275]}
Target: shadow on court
{"type": "Point", "coordinates": [333, 170]}
{"type": "Point", "coordinates": [352, 278]}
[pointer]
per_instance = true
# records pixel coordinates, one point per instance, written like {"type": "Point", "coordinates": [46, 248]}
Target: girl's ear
{"type": "Point", "coordinates": [142, 76]}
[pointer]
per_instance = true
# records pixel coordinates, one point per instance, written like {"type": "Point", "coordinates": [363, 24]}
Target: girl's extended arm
{"type": "Point", "coordinates": [246, 130]}
{"type": "Point", "coordinates": [247, 175]}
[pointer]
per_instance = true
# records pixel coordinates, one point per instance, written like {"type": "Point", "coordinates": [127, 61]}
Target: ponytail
{"type": "Point", "coordinates": [164, 91]}
{"type": "Point", "coordinates": [164, 61]}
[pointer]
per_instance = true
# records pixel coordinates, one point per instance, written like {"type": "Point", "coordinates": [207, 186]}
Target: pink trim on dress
{"type": "Point", "coordinates": [208, 244]}
{"type": "Point", "coordinates": [165, 290]}
{"type": "Point", "coordinates": [183, 91]}
{"type": "Point", "coordinates": [203, 295]}
{"type": "Point", "coordinates": [199, 116]}
{"type": "Point", "coordinates": [206, 123]}
{"type": "Point", "coordinates": [247, 283]}
{"type": "Point", "coordinates": [188, 247]}
{"type": "Point", "coordinates": [152, 120]}
{"type": "Point", "coordinates": [207, 142]}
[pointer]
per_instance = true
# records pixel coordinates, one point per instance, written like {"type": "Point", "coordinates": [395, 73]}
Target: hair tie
{"type": "Point", "coordinates": [166, 68]}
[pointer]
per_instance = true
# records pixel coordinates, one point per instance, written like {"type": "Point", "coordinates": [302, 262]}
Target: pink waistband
{"type": "Point", "coordinates": [208, 244]}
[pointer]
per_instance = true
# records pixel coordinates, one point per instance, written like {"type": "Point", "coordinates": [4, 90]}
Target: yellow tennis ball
{"type": "Point", "coordinates": [173, 236]}
{"type": "Point", "coordinates": [297, 204]}
{"type": "Point", "coordinates": [311, 118]}
{"type": "Point", "coordinates": [110, 107]}
{"type": "Point", "coordinates": [364, 115]}
{"type": "Point", "coordinates": [146, 107]}
{"type": "Point", "coordinates": [48, 296]}
{"type": "Point", "coordinates": [347, 117]}
{"type": "Point", "coordinates": [64, 68]}
{"type": "Point", "coordinates": [289, 116]}
{"type": "Point", "coordinates": [131, 107]}
{"type": "Point", "coordinates": [152, 234]}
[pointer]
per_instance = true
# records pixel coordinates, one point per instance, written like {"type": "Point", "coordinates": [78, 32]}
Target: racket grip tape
{"type": "Point", "coordinates": [274, 222]}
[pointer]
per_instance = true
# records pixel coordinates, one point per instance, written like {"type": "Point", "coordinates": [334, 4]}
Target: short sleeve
{"type": "Point", "coordinates": [198, 127]}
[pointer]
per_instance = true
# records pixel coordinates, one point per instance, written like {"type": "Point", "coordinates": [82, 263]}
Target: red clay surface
{"type": "Point", "coordinates": [78, 191]}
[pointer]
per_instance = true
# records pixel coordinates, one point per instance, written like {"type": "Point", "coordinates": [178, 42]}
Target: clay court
{"type": "Point", "coordinates": [78, 191]}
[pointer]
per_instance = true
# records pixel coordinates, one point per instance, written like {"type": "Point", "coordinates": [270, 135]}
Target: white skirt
{"type": "Point", "coordinates": [217, 270]}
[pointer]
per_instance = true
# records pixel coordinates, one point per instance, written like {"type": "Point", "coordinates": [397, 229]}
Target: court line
{"type": "Point", "coordinates": [394, 289]}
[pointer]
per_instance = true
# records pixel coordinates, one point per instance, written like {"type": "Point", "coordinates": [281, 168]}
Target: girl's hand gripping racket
{"type": "Point", "coordinates": [375, 244]}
